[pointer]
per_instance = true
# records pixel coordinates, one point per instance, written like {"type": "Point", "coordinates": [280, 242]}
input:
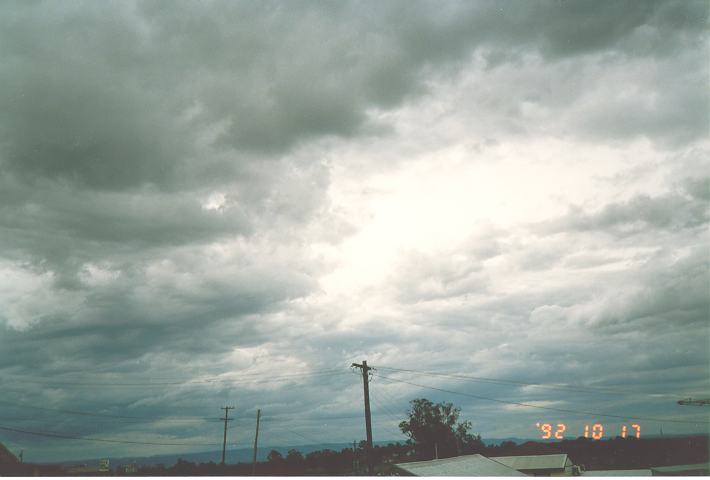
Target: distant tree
{"type": "Point", "coordinates": [183, 467]}
{"type": "Point", "coordinates": [330, 461]}
{"type": "Point", "coordinates": [294, 457]}
{"type": "Point", "coordinates": [274, 457]}
{"type": "Point", "coordinates": [436, 427]}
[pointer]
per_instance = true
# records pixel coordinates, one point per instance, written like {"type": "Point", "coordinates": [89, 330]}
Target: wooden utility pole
{"type": "Point", "coordinates": [226, 419]}
{"type": "Point", "coordinates": [256, 441]}
{"type": "Point", "coordinates": [368, 420]}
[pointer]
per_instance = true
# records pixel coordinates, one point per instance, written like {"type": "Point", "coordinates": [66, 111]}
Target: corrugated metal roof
{"type": "Point", "coordinates": [646, 472]}
{"type": "Point", "coordinates": [464, 466]}
{"type": "Point", "coordinates": [534, 462]}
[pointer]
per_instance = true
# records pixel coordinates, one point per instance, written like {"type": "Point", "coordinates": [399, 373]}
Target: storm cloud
{"type": "Point", "coordinates": [210, 202]}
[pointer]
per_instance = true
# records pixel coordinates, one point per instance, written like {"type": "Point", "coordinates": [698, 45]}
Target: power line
{"type": "Point", "coordinates": [282, 429]}
{"type": "Point", "coordinates": [113, 417]}
{"type": "Point", "coordinates": [274, 437]}
{"type": "Point", "coordinates": [54, 382]}
{"type": "Point", "coordinates": [126, 417]}
{"type": "Point", "coordinates": [384, 425]}
{"type": "Point", "coordinates": [306, 437]}
{"type": "Point", "coordinates": [570, 388]}
{"type": "Point", "coordinates": [508, 402]}
{"type": "Point", "coordinates": [218, 377]}
{"type": "Point", "coordinates": [105, 440]}
{"type": "Point", "coordinates": [383, 408]}
{"type": "Point", "coordinates": [389, 398]}
{"type": "Point", "coordinates": [198, 419]}
{"type": "Point", "coordinates": [324, 419]}
{"type": "Point", "coordinates": [71, 412]}
{"type": "Point", "coordinates": [104, 415]}
{"type": "Point", "coordinates": [120, 420]}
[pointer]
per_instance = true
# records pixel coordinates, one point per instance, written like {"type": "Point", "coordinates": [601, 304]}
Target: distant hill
{"type": "Point", "coordinates": [520, 441]}
{"type": "Point", "coordinates": [241, 455]}
{"type": "Point", "coordinates": [610, 453]}
{"type": "Point", "coordinates": [498, 441]}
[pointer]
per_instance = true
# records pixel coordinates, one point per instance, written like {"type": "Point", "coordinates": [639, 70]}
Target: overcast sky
{"type": "Point", "coordinates": [227, 203]}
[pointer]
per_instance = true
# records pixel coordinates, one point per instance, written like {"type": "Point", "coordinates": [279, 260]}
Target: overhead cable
{"type": "Point", "coordinates": [104, 440]}
{"type": "Point", "coordinates": [570, 388]}
{"type": "Point", "coordinates": [101, 415]}
{"type": "Point", "coordinates": [509, 402]}
{"type": "Point", "coordinates": [213, 381]}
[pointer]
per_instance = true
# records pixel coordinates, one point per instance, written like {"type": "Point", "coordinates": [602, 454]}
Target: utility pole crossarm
{"type": "Point", "coordinates": [697, 402]}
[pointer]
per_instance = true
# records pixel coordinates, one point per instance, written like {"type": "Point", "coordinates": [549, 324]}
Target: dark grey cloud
{"type": "Point", "coordinates": [116, 96]}
{"type": "Point", "coordinates": [165, 187]}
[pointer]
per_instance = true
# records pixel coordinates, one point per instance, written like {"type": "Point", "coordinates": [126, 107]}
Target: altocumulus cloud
{"type": "Point", "coordinates": [219, 202]}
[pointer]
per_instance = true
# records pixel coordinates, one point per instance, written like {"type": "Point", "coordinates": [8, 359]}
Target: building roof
{"type": "Point", "coordinates": [646, 472]}
{"type": "Point", "coordinates": [535, 462]}
{"type": "Point", "coordinates": [703, 468]}
{"type": "Point", "coordinates": [6, 457]}
{"type": "Point", "coordinates": [463, 466]}
{"type": "Point", "coordinates": [84, 469]}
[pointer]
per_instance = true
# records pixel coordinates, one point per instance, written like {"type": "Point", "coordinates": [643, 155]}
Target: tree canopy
{"type": "Point", "coordinates": [275, 457]}
{"type": "Point", "coordinates": [435, 428]}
